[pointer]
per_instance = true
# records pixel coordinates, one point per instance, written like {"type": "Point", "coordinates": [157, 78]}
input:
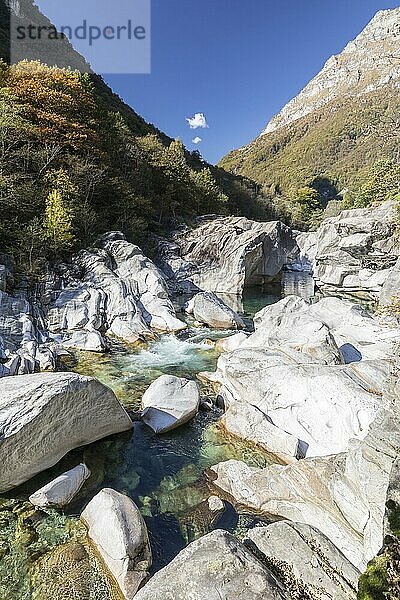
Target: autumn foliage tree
{"type": "Point", "coordinates": [75, 162]}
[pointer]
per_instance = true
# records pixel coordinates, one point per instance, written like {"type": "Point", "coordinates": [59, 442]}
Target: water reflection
{"type": "Point", "coordinates": [298, 284]}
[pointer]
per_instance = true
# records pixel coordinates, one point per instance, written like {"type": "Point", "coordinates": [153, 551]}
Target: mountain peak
{"type": "Point", "coordinates": [367, 63]}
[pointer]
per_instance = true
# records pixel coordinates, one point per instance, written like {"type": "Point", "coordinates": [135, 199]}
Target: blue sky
{"type": "Point", "coordinates": [236, 61]}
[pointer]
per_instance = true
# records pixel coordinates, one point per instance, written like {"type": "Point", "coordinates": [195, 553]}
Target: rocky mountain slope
{"type": "Point", "coordinates": [369, 62]}
{"type": "Point", "coordinates": [340, 124]}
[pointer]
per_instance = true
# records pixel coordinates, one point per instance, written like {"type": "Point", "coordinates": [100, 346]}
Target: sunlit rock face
{"type": "Point", "coordinates": [341, 487]}
{"type": "Point", "coordinates": [227, 254]}
{"type": "Point", "coordinates": [366, 64]}
{"type": "Point", "coordinates": [45, 415]}
{"type": "Point", "coordinates": [120, 292]}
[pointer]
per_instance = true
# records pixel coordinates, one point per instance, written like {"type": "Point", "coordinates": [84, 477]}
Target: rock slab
{"type": "Point", "coordinates": [45, 415]}
{"type": "Point", "coordinates": [306, 560]}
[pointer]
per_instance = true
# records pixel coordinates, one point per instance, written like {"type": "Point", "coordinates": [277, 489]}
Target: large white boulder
{"type": "Point", "coordinates": [207, 308]}
{"type": "Point", "coordinates": [119, 533]}
{"type": "Point", "coordinates": [226, 254]}
{"type": "Point", "coordinates": [121, 293]}
{"type": "Point", "coordinates": [62, 490]}
{"type": "Point", "coordinates": [213, 567]}
{"type": "Point", "coordinates": [169, 402]}
{"type": "Point", "coordinates": [291, 371]}
{"type": "Point", "coordinates": [323, 406]}
{"type": "Point", "coordinates": [346, 326]}
{"type": "Point", "coordinates": [45, 415]}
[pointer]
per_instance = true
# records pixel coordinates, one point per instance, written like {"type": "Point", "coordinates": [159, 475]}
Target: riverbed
{"type": "Point", "coordinates": [163, 474]}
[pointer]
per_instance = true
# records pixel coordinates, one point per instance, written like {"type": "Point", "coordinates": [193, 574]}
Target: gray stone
{"type": "Point", "coordinates": [169, 402]}
{"type": "Point", "coordinates": [119, 533]}
{"type": "Point", "coordinates": [62, 490]}
{"type": "Point", "coordinates": [343, 496]}
{"type": "Point", "coordinates": [306, 560]}
{"type": "Point", "coordinates": [391, 288]}
{"type": "Point", "coordinates": [213, 567]}
{"type": "Point", "coordinates": [207, 308]}
{"type": "Point", "coordinates": [45, 415]}
{"type": "Point", "coordinates": [225, 254]}
{"type": "Point", "coordinates": [357, 249]}
{"type": "Point", "coordinates": [289, 373]}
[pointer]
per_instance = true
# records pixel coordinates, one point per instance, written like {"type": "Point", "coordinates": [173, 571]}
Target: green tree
{"type": "Point", "coordinates": [209, 197]}
{"type": "Point", "coordinates": [58, 223]}
{"type": "Point", "coordinates": [382, 183]}
{"type": "Point", "coordinates": [306, 207]}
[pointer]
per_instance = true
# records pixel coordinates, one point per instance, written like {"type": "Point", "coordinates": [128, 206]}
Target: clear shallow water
{"type": "Point", "coordinates": [162, 474]}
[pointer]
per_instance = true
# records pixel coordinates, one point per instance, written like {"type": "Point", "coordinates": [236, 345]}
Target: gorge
{"type": "Point", "coordinates": [202, 407]}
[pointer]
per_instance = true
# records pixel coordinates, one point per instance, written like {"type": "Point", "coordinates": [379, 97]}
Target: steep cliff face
{"type": "Point", "coordinates": [343, 121]}
{"type": "Point", "coordinates": [368, 63]}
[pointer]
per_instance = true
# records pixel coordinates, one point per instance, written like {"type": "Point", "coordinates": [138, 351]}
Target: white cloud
{"type": "Point", "coordinates": [197, 140]}
{"type": "Point", "coordinates": [197, 121]}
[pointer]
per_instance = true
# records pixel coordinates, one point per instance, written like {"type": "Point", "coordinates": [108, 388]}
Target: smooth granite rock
{"type": "Point", "coordinates": [121, 293]}
{"type": "Point", "coordinates": [213, 567]}
{"type": "Point", "coordinates": [62, 490]}
{"type": "Point", "coordinates": [225, 254]}
{"type": "Point", "coordinates": [207, 308]}
{"type": "Point", "coordinates": [45, 415]}
{"type": "Point", "coordinates": [169, 402]}
{"type": "Point", "coordinates": [306, 560]}
{"type": "Point", "coordinates": [119, 533]}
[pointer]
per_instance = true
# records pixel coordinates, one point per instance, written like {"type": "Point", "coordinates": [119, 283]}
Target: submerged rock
{"type": "Point", "coordinates": [207, 308]}
{"type": "Point", "coordinates": [70, 571]}
{"type": "Point", "coordinates": [215, 566]}
{"type": "Point", "coordinates": [45, 415]}
{"type": "Point", "coordinates": [62, 490]}
{"type": "Point", "coordinates": [306, 560]}
{"type": "Point", "coordinates": [119, 533]}
{"type": "Point", "coordinates": [169, 402]}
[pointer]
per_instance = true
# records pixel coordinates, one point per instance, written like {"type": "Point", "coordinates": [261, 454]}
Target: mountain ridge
{"type": "Point", "coordinates": [328, 138]}
{"type": "Point", "coordinates": [350, 71]}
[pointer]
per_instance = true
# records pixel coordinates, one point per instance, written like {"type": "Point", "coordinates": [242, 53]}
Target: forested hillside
{"type": "Point", "coordinates": [334, 152]}
{"type": "Point", "coordinates": [76, 161]}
